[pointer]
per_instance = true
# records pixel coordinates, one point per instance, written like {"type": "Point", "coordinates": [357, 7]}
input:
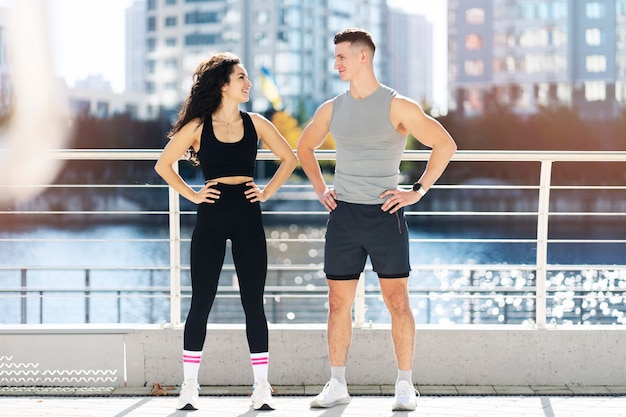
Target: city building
{"type": "Point", "coordinates": [410, 49]}
{"type": "Point", "coordinates": [290, 40]}
{"type": "Point", "coordinates": [529, 54]}
{"type": "Point", "coordinates": [136, 46]}
{"type": "Point", "coordinates": [284, 44]}
{"type": "Point", "coordinates": [94, 97]}
{"type": "Point", "coordinates": [5, 91]}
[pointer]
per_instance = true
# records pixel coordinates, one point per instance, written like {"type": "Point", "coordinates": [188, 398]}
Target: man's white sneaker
{"type": "Point", "coordinates": [189, 395]}
{"type": "Point", "coordinates": [262, 396]}
{"type": "Point", "coordinates": [334, 393]}
{"type": "Point", "coordinates": [405, 398]}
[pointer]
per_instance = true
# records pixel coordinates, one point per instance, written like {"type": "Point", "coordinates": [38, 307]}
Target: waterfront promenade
{"type": "Point", "coordinates": [372, 401]}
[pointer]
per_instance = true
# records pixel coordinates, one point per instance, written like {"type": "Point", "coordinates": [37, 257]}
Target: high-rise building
{"type": "Point", "coordinates": [136, 46]}
{"type": "Point", "coordinates": [410, 49]}
{"type": "Point", "coordinates": [5, 85]}
{"type": "Point", "coordinates": [529, 54]}
{"type": "Point", "coordinates": [290, 39]}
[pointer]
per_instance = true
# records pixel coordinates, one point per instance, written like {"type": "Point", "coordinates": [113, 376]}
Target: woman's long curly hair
{"type": "Point", "coordinates": [206, 92]}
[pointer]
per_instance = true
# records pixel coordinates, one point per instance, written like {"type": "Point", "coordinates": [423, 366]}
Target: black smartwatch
{"type": "Point", "coordinates": [417, 187]}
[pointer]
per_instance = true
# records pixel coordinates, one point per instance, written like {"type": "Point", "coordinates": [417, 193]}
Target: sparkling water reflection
{"type": "Point", "coordinates": [85, 276]}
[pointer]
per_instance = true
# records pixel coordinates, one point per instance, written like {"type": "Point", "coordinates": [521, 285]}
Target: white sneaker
{"type": "Point", "coordinates": [262, 396]}
{"type": "Point", "coordinates": [405, 398]}
{"type": "Point", "coordinates": [189, 395]}
{"type": "Point", "coordinates": [334, 393]}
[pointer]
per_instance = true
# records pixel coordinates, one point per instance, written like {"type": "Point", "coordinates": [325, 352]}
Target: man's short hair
{"type": "Point", "coordinates": [356, 36]}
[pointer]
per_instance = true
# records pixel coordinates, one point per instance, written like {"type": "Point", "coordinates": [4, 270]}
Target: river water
{"type": "Point", "coordinates": [118, 261]}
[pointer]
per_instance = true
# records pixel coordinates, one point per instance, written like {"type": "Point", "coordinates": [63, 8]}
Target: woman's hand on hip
{"type": "Point", "coordinates": [255, 194]}
{"type": "Point", "coordinates": [207, 194]}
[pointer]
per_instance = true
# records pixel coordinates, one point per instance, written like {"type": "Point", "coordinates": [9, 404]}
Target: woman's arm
{"type": "Point", "coordinates": [279, 146]}
{"type": "Point", "coordinates": [188, 136]}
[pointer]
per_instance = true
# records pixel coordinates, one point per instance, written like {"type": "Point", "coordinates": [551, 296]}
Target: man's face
{"type": "Point", "coordinates": [347, 60]}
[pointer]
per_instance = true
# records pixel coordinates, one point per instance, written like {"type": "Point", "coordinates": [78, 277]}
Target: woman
{"type": "Point", "coordinates": [224, 140]}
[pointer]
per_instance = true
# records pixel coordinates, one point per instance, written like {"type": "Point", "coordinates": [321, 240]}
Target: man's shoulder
{"type": "Point", "coordinates": [339, 96]}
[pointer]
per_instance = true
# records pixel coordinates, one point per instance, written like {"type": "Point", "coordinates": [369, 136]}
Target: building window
{"type": "Point", "coordinates": [593, 36]}
{"type": "Point", "coordinates": [595, 91]}
{"type": "Point", "coordinates": [472, 101]}
{"type": "Point", "coordinates": [151, 4]}
{"type": "Point", "coordinates": [532, 38]}
{"type": "Point", "coordinates": [510, 64]}
{"type": "Point", "coordinates": [172, 85]}
{"type": "Point", "coordinates": [261, 39]}
{"type": "Point", "coordinates": [202, 17]}
{"type": "Point", "coordinates": [150, 66]}
{"type": "Point", "coordinates": [595, 63]}
{"type": "Point", "coordinates": [564, 92]}
{"type": "Point", "coordinates": [499, 38]}
{"type": "Point", "coordinates": [151, 24]}
{"type": "Point", "coordinates": [620, 91]}
{"type": "Point", "coordinates": [534, 63]}
{"type": "Point", "coordinates": [559, 10]}
{"type": "Point", "coordinates": [170, 2]}
{"type": "Point", "coordinates": [527, 11]}
{"type": "Point", "coordinates": [262, 17]}
{"type": "Point", "coordinates": [545, 63]}
{"type": "Point", "coordinates": [196, 39]}
{"type": "Point", "coordinates": [473, 42]}
{"type": "Point", "coordinates": [132, 109]}
{"type": "Point", "coordinates": [557, 37]}
{"type": "Point", "coordinates": [171, 63]}
{"type": "Point", "coordinates": [102, 109]}
{"type": "Point", "coordinates": [498, 65]}
{"type": "Point", "coordinates": [594, 10]}
{"type": "Point", "coordinates": [170, 21]}
{"type": "Point", "coordinates": [475, 16]}
{"type": "Point", "coordinates": [621, 65]}
{"type": "Point", "coordinates": [474, 68]}
{"type": "Point", "coordinates": [170, 42]}
{"type": "Point", "coordinates": [150, 87]}
{"type": "Point", "coordinates": [151, 44]}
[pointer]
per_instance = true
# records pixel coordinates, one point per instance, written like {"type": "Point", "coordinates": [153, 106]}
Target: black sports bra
{"type": "Point", "coordinates": [221, 159]}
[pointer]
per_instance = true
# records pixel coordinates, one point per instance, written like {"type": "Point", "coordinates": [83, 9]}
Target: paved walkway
{"type": "Point", "coordinates": [371, 401]}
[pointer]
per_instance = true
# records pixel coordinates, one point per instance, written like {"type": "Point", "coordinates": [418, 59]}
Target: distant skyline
{"type": "Point", "coordinates": [88, 38]}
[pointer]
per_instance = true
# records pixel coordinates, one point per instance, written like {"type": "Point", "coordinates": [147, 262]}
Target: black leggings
{"type": "Point", "coordinates": [232, 217]}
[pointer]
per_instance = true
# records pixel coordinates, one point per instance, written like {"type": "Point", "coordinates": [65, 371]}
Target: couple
{"type": "Point", "coordinates": [370, 123]}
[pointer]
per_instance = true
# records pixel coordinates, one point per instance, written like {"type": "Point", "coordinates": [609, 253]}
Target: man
{"type": "Point", "coordinates": [370, 123]}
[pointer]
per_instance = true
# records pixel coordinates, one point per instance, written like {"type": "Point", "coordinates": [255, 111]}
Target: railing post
{"type": "Point", "coordinates": [359, 302]}
{"type": "Point", "coordinates": [174, 220]}
{"type": "Point", "coordinates": [543, 213]}
{"type": "Point", "coordinates": [87, 295]}
{"type": "Point", "coordinates": [24, 301]}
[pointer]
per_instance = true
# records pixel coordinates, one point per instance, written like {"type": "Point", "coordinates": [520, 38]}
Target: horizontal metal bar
{"type": "Point", "coordinates": [410, 155]}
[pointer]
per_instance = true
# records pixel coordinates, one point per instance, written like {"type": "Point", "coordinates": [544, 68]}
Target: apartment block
{"type": "Point", "coordinates": [529, 54]}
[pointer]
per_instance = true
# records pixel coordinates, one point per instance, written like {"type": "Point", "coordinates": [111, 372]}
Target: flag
{"type": "Point", "coordinates": [270, 89]}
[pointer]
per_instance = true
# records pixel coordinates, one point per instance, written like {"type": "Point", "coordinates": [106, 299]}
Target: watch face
{"type": "Point", "coordinates": [417, 186]}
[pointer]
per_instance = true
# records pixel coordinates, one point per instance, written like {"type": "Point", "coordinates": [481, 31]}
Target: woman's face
{"type": "Point", "coordinates": [238, 87]}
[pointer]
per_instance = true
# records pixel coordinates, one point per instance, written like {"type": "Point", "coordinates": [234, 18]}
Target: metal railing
{"type": "Point", "coordinates": [470, 293]}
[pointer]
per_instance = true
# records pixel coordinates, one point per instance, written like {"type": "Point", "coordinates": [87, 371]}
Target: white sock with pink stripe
{"type": "Point", "coordinates": [260, 362]}
{"type": "Point", "coordinates": [191, 364]}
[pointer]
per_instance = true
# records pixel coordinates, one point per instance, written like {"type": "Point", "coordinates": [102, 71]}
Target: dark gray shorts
{"type": "Point", "coordinates": [354, 231]}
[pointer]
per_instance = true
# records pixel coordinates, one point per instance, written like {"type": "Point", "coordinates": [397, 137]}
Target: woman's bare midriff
{"type": "Point", "coordinates": [232, 180]}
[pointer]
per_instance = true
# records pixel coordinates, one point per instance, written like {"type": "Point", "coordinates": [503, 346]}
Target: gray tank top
{"type": "Point", "coordinates": [369, 149]}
